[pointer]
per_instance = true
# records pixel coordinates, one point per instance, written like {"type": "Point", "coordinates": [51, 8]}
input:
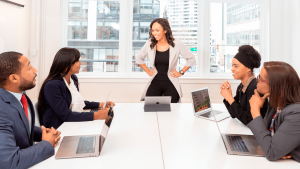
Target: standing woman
{"type": "Point", "coordinates": [163, 51]}
{"type": "Point", "coordinates": [278, 133]}
{"type": "Point", "coordinates": [59, 98]}
{"type": "Point", "coordinates": [242, 69]}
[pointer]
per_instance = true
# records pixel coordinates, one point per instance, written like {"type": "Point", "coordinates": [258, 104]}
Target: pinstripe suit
{"type": "Point", "coordinates": [286, 139]}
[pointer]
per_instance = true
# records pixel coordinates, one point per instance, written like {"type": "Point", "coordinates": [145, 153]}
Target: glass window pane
{"type": "Point", "coordinates": [231, 25]}
{"type": "Point", "coordinates": [182, 21]}
{"type": "Point", "coordinates": [99, 44]}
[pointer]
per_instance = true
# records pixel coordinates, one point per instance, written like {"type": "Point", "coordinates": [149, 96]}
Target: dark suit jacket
{"type": "Point", "coordinates": [16, 142]}
{"type": "Point", "coordinates": [286, 139]}
{"type": "Point", "coordinates": [240, 108]}
{"type": "Point", "coordinates": [57, 102]}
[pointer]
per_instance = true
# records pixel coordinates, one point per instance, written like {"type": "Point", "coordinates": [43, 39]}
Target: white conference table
{"type": "Point", "coordinates": [155, 140]}
{"type": "Point", "coordinates": [132, 142]}
{"type": "Point", "coordinates": [190, 142]}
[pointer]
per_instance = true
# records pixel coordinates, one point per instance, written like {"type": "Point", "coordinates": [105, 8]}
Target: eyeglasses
{"type": "Point", "coordinates": [259, 79]}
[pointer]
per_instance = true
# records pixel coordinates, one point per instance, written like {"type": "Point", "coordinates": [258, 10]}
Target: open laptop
{"type": "Point", "coordinates": [157, 103]}
{"type": "Point", "coordinates": [244, 145]}
{"type": "Point", "coordinates": [82, 146]}
{"type": "Point", "coordinates": [95, 110]}
{"type": "Point", "coordinates": [202, 106]}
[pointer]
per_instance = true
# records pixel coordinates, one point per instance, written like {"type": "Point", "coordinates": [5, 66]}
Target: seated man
{"type": "Point", "coordinates": [17, 117]}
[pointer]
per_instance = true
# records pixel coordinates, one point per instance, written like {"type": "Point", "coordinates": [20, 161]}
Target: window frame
{"type": "Point", "coordinates": [203, 36]}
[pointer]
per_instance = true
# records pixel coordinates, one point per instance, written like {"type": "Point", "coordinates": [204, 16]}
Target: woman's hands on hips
{"type": "Point", "coordinates": [175, 74]}
{"type": "Point", "coordinates": [152, 72]}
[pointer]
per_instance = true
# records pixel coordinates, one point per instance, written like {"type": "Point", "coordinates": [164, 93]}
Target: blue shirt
{"type": "Point", "coordinates": [19, 96]}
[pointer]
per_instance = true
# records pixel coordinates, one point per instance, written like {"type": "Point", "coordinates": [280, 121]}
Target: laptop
{"type": "Point", "coordinates": [97, 109]}
{"type": "Point", "coordinates": [157, 103]}
{"type": "Point", "coordinates": [82, 146]}
{"type": "Point", "coordinates": [202, 106]}
{"type": "Point", "coordinates": [244, 145]}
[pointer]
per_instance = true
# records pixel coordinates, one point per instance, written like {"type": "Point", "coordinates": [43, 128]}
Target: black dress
{"type": "Point", "coordinates": [240, 108]}
{"type": "Point", "coordinates": [161, 83]}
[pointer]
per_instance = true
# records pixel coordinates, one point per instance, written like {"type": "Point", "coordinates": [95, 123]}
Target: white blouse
{"type": "Point", "coordinates": [77, 103]}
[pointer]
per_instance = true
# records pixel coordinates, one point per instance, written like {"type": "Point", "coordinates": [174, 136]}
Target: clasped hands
{"type": "Point", "coordinates": [173, 73]}
{"type": "Point", "coordinates": [226, 92]}
{"type": "Point", "coordinates": [51, 135]}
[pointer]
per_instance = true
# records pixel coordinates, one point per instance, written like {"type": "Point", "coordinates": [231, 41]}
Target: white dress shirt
{"type": "Point", "coordinates": [77, 103]}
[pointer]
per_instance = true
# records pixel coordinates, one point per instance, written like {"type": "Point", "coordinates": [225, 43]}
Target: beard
{"type": "Point", "coordinates": [26, 85]}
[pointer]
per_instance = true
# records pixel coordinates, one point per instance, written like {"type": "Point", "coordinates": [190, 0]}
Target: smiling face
{"type": "Point", "coordinates": [239, 71]}
{"type": "Point", "coordinates": [158, 31]}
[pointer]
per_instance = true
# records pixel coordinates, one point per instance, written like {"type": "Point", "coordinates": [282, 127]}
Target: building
{"type": "Point", "coordinates": [239, 26]}
{"type": "Point", "coordinates": [144, 12]}
{"type": "Point", "coordinates": [182, 16]}
{"type": "Point", "coordinates": [93, 28]}
{"type": "Point", "coordinates": [199, 98]}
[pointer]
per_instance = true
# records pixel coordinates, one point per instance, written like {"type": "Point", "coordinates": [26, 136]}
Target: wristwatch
{"type": "Point", "coordinates": [181, 72]}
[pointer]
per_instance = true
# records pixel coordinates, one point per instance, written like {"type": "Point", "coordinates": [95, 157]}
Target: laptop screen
{"type": "Point", "coordinates": [201, 100]}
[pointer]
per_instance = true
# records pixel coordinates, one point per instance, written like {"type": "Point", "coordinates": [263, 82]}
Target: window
{"type": "Point", "coordinates": [226, 38]}
{"type": "Point", "coordinates": [93, 28]}
{"type": "Point", "coordinates": [182, 29]}
{"type": "Point", "coordinates": [110, 34]}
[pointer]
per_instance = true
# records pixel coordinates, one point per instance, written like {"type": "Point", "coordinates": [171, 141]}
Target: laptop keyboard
{"type": "Point", "coordinates": [210, 114]}
{"type": "Point", "coordinates": [86, 145]}
{"type": "Point", "coordinates": [237, 144]}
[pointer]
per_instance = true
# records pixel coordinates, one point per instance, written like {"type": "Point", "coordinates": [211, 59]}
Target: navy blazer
{"type": "Point", "coordinates": [16, 144]}
{"type": "Point", "coordinates": [57, 102]}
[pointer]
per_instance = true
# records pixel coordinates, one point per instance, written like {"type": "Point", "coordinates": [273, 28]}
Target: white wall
{"type": "Point", "coordinates": [44, 35]}
{"type": "Point", "coordinates": [15, 27]}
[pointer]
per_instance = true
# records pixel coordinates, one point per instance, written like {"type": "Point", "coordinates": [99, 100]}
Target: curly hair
{"type": "Point", "coordinates": [252, 54]}
{"type": "Point", "coordinates": [9, 64]}
{"type": "Point", "coordinates": [166, 26]}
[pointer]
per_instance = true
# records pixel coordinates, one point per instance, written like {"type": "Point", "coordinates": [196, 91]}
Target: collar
{"type": "Point", "coordinates": [248, 82]}
{"type": "Point", "coordinates": [17, 95]}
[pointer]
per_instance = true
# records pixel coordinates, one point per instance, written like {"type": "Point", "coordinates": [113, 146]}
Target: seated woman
{"type": "Point", "coordinates": [59, 98]}
{"type": "Point", "coordinates": [242, 68]}
{"type": "Point", "coordinates": [278, 133]}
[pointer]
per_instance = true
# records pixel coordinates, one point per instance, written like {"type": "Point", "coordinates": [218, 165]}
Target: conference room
{"type": "Point", "coordinates": [158, 84]}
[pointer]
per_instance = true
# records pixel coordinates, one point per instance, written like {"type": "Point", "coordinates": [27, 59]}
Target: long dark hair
{"type": "Point", "coordinates": [166, 26]}
{"type": "Point", "coordinates": [284, 84]}
{"type": "Point", "coordinates": [63, 60]}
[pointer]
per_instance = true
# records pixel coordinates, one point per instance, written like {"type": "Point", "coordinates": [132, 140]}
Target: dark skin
{"type": "Point", "coordinates": [13, 83]}
{"type": "Point", "coordinates": [162, 45]}
{"type": "Point", "coordinates": [101, 114]}
{"type": "Point", "coordinates": [257, 102]}
{"type": "Point", "coordinates": [239, 72]}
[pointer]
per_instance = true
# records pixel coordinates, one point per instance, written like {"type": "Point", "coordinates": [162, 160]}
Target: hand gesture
{"type": "Point", "coordinates": [50, 135]}
{"type": "Point", "coordinates": [256, 103]}
{"type": "Point", "coordinates": [108, 104]}
{"type": "Point", "coordinates": [101, 114]}
{"type": "Point", "coordinates": [226, 92]}
{"type": "Point", "coordinates": [286, 157]}
{"type": "Point", "coordinates": [152, 72]}
{"type": "Point", "coordinates": [175, 74]}
{"type": "Point", "coordinates": [225, 85]}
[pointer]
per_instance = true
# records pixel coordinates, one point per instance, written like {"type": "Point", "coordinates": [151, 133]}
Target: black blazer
{"type": "Point", "coordinates": [57, 102]}
{"type": "Point", "coordinates": [240, 108]}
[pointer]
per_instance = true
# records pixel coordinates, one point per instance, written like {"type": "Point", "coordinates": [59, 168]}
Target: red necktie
{"type": "Point", "coordinates": [25, 106]}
